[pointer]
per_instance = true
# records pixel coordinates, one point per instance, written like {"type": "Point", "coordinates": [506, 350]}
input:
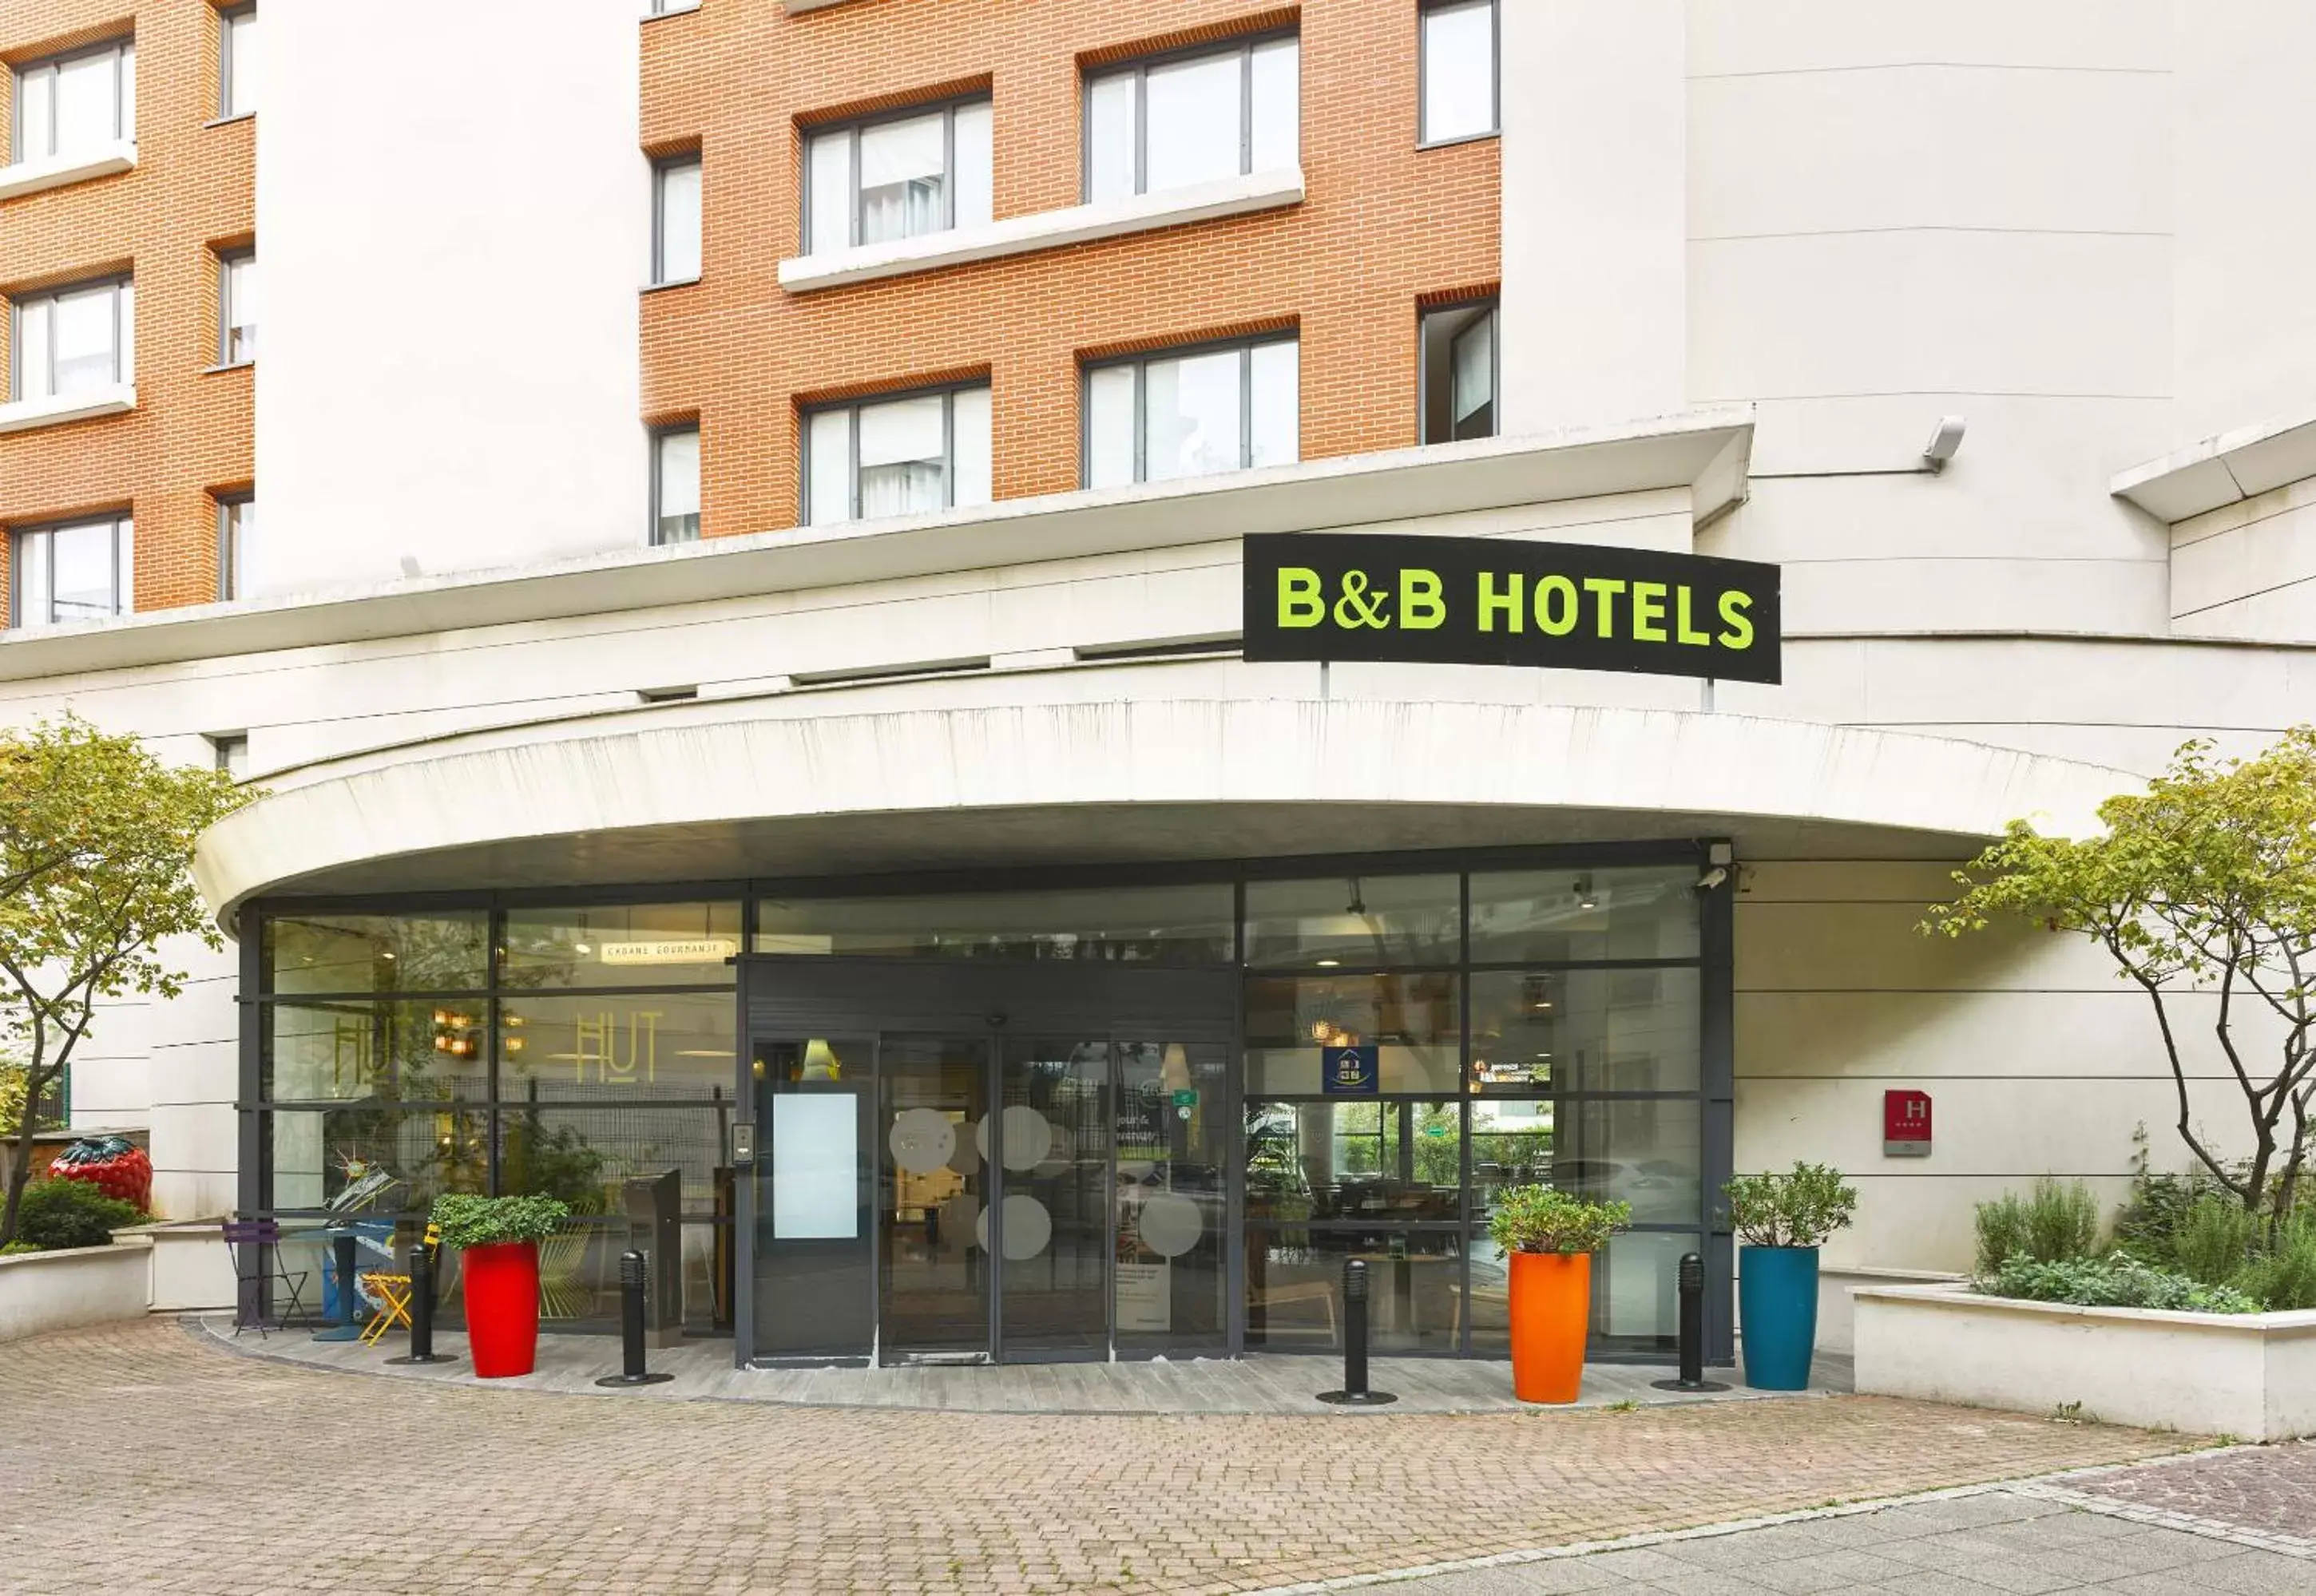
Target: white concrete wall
{"type": "Point", "coordinates": [2249, 570]}
{"type": "Point", "coordinates": [454, 232]}
{"type": "Point", "coordinates": [43, 1291]}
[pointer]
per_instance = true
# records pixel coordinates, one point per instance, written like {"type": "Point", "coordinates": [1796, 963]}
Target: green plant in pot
{"type": "Point", "coordinates": [1550, 1237]}
{"type": "Point", "coordinates": [1781, 1220]}
{"type": "Point", "coordinates": [497, 1239]}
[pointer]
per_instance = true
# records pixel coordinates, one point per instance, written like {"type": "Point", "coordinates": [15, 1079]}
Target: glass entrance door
{"type": "Point", "coordinates": [1054, 1221]}
{"type": "Point", "coordinates": [934, 1273]}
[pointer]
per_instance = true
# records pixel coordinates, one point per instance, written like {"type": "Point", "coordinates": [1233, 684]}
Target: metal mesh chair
{"type": "Point", "coordinates": [254, 1247]}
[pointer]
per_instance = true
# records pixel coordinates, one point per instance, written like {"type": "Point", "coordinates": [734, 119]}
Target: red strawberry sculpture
{"type": "Point", "coordinates": [114, 1166]}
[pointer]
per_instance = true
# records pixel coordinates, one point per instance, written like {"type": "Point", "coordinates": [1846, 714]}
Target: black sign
{"type": "Point", "coordinates": [1350, 1071]}
{"type": "Point", "coordinates": [1507, 601]}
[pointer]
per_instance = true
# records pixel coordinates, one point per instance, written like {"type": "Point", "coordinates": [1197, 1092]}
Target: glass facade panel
{"type": "Point", "coordinates": [396, 1159]}
{"type": "Point", "coordinates": [616, 1048]}
{"type": "Point", "coordinates": [1372, 1163]}
{"type": "Point", "coordinates": [408, 1052]}
{"type": "Point", "coordinates": [1295, 1288]}
{"type": "Point", "coordinates": [1172, 1221]}
{"type": "Point", "coordinates": [1414, 1021]}
{"type": "Point", "coordinates": [1365, 922]}
{"type": "Point", "coordinates": [1576, 914]}
{"type": "Point", "coordinates": [1460, 70]}
{"type": "Point", "coordinates": [580, 1153]}
{"type": "Point", "coordinates": [1173, 925]}
{"type": "Point", "coordinates": [627, 944]}
{"type": "Point", "coordinates": [1586, 1030]}
{"type": "Point", "coordinates": [1635, 1297]}
{"type": "Point", "coordinates": [376, 953]}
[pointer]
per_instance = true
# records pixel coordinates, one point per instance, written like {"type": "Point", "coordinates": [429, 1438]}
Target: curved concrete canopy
{"type": "Point", "coordinates": [745, 788]}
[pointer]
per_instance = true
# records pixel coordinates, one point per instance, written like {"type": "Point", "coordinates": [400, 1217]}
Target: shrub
{"type": "Point", "coordinates": [2214, 1240]}
{"type": "Point", "coordinates": [2119, 1280]}
{"type": "Point", "coordinates": [1540, 1219]}
{"type": "Point", "coordinates": [2284, 1276]}
{"type": "Point", "coordinates": [1799, 1209]}
{"type": "Point", "coordinates": [470, 1221]}
{"type": "Point", "coordinates": [15, 1247]}
{"type": "Point", "coordinates": [70, 1213]}
{"type": "Point", "coordinates": [2056, 1223]}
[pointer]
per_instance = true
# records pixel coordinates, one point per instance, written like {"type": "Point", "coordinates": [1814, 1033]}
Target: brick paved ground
{"type": "Point", "coordinates": [133, 1458]}
{"type": "Point", "coordinates": [2271, 1488]}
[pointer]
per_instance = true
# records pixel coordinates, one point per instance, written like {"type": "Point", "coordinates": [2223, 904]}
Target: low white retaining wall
{"type": "Point", "coordinates": [191, 1269]}
{"type": "Point", "coordinates": [78, 1286]}
{"type": "Point", "coordinates": [2251, 1375]}
{"type": "Point", "coordinates": [1837, 1320]}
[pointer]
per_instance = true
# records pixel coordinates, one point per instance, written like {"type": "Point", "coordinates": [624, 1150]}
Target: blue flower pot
{"type": "Point", "coordinates": [1777, 1300]}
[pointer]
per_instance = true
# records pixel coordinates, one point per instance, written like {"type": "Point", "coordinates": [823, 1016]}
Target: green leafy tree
{"type": "Point", "coordinates": [96, 837]}
{"type": "Point", "coordinates": [2206, 881]}
{"type": "Point", "coordinates": [12, 1099]}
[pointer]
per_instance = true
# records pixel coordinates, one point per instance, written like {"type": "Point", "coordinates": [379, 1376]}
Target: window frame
{"type": "Point", "coordinates": [1424, 313]}
{"type": "Point", "coordinates": [1140, 361]}
{"type": "Point", "coordinates": [661, 166]}
{"type": "Point", "coordinates": [232, 556]}
{"type": "Point", "coordinates": [1495, 128]}
{"type": "Point", "coordinates": [946, 107]}
{"type": "Point", "coordinates": [123, 50]}
{"type": "Point", "coordinates": [228, 17]}
{"type": "Point", "coordinates": [1243, 45]}
{"type": "Point", "coordinates": [124, 286]}
{"type": "Point", "coordinates": [945, 391]}
{"type": "Point", "coordinates": [651, 516]}
{"type": "Point", "coordinates": [120, 545]}
{"type": "Point", "coordinates": [227, 259]}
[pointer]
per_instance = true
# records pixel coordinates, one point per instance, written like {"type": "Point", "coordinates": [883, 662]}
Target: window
{"type": "Point", "coordinates": [1459, 372]}
{"type": "Point", "coordinates": [1459, 52]}
{"type": "Point", "coordinates": [231, 751]}
{"type": "Point", "coordinates": [675, 484]}
{"type": "Point", "coordinates": [236, 542]}
{"type": "Point", "coordinates": [1190, 119]}
{"type": "Point", "coordinates": [77, 104]}
{"type": "Point", "coordinates": [237, 307]}
{"type": "Point", "coordinates": [907, 455]}
{"type": "Point", "coordinates": [1149, 420]}
{"type": "Point", "coordinates": [238, 61]}
{"type": "Point", "coordinates": [675, 220]}
{"type": "Point", "coordinates": [72, 340]}
{"type": "Point", "coordinates": [897, 177]}
{"type": "Point", "coordinates": [78, 571]}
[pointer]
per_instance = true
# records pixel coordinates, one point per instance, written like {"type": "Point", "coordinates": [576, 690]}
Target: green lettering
{"type": "Point", "coordinates": [1420, 609]}
{"type": "Point", "coordinates": [1492, 602]}
{"type": "Point", "coordinates": [1299, 604]}
{"type": "Point", "coordinates": [1681, 628]}
{"type": "Point", "coordinates": [1555, 605]}
{"type": "Point", "coordinates": [1648, 612]}
{"type": "Point", "coordinates": [1605, 589]}
{"type": "Point", "coordinates": [1739, 627]}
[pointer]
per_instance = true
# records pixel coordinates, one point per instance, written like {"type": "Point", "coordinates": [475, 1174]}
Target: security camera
{"type": "Point", "coordinates": [1711, 879]}
{"type": "Point", "coordinates": [1943, 442]}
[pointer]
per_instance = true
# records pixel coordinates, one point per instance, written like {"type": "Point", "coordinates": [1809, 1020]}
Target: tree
{"type": "Point", "coordinates": [2207, 879]}
{"type": "Point", "coordinates": [96, 837]}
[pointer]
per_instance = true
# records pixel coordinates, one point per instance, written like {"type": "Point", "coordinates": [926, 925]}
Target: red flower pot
{"type": "Point", "coordinates": [1551, 1315]}
{"type": "Point", "coordinates": [502, 1285]}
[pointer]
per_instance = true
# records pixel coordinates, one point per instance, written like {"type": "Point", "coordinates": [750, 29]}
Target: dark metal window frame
{"type": "Point", "coordinates": [1495, 128]}
{"type": "Point", "coordinates": [123, 570]}
{"type": "Point", "coordinates": [226, 260]}
{"type": "Point", "coordinates": [124, 312]}
{"type": "Point", "coordinates": [653, 518]}
{"type": "Point", "coordinates": [947, 392]}
{"type": "Point", "coordinates": [1424, 313]}
{"type": "Point", "coordinates": [1138, 68]}
{"type": "Point", "coordinates": [123, 50]}
{"type": "Point", "coordinates": [231, 554]}
{"type": "Point", "coordinates": [227, 17]}
{"type": "Point", "coordinates": [661, 167]}
{"type": "Point", "coordinates": [946, 107]}
{"type": "Point", "coordinates": [1141, 362]}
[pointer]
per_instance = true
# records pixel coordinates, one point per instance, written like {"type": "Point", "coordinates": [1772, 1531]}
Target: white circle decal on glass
{"type": "Point", "coordinates": [921, 1139]}
{"type": "Point", "coordinates": [1028, 1137]}
{"type": "Point", "coordinates": [1170, 1224]}
{"type": "Point", "coordinates": [1028, 1229]}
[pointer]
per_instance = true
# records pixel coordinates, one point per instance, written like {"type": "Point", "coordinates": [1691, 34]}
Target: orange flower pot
{"type": "Point", "coordinates": [1552, 1314]}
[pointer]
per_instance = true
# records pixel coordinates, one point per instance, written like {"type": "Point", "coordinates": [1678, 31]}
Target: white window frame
{"type": "Point", "coordinates": [123, 52]}
{"type": "Point", "coordinates": [230, 20]}
{"type": "Point", "coordinates": [659, 435]}
{"type": "Point", "coordinates": [1138, 68]}
{"type": "Point", "coordinates": [660, 168]}
{"type": "Point", "coordinates": [226, 260]}
{"type": "Point", "coordinates": [237, 516]}
{"type": "Point", "coordinates": [945, 109]}
{"type": "Point", "coordinates": [1494, 317]}
{"type": "Point", "coordinates": [1424, 8]}
{"type": "Point", "coordinates": [1140, 364]}
{"type": "Point", "coordinates": [124, 333]}
{"type": "Point", "coordinates": [122, 545]}
{"type": "Point", "coordinates": [947, 392]}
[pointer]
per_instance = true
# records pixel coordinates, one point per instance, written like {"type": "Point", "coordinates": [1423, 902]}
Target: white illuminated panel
{"type": "Point", "coordinates": [815, 1169]}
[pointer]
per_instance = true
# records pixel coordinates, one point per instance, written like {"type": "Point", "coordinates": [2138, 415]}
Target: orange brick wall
{"type": "Point", "coordinates": [191, 191]}
{"type": "Point", "coordinates": [1384, 223]}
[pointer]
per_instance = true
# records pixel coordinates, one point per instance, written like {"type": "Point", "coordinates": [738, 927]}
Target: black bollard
{"type": "Point", "coordinates": [1354, 1392]}
{"type": "Point", "coordinates": [1692, 1331]}
{"type": "Point", "coordinates": [631, 1326]}
{"type": "Point", "coordinates": [421, 1312]}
